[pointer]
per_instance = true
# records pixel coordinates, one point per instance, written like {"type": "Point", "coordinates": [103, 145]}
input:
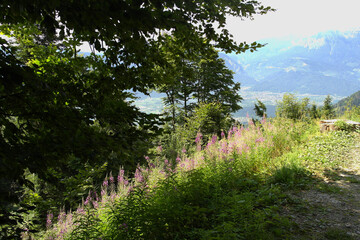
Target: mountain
{"type": "Point", "coordinates": [240, 74]}
{"type": "Point", "coordinates": [326, 63]}
{"type": "Point", "coordinates": [352, 100]}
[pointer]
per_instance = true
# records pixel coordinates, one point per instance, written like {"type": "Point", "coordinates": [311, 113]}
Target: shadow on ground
{"type": "Point", "coordinates": [330, 209]}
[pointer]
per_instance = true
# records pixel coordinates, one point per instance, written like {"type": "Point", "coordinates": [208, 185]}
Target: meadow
{"type": "Point", "coordinates": [233, 187]}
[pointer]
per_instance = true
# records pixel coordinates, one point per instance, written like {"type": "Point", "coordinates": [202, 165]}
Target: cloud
{"type": "Point", "coordinates": [299, 18]}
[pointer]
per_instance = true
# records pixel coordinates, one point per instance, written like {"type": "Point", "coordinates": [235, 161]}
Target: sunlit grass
{"type": "Point", "coordinates": [230, 187]}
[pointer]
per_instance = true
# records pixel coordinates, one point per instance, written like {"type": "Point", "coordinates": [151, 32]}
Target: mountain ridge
{"type": "Point", "coordinates": [326, 63]}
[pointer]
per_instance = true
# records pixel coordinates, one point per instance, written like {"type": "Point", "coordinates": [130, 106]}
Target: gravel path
{"type": "Point", "coordinates": [331, 209]}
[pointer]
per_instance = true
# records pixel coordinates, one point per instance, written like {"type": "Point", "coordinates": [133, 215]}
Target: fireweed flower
{"type": "Point", "coordinates": [230, 132]}
{"type": "Point", "coordinates": [103, 192]}
{"type": "Point", "coordinates": [147, 158]}
{"type": "Point", "coordinates": [183, 150]}
{"type": "Point", "coordinates": [69, 218]}
{"type": "Point", "coordinates": [178, 159]}
{"type": "Point", "coordinates": [95, 204]}
{"type": "Point", "coordinates": [105, 183]}
{"type": "Point", "coordinates": [88, 199]}
{"type": "Point", "coordinates": [80, 210]}
{"type": "Point", "coordinates": [49, 219]}
{"type": "Point", "coordinates": [120, 177]}
{"type": "Point", "coordinates": [213, 139]}
{"type": "Point", "coordinates": [111, 179]}
{"type": "Point", "coordinates": [224, 148]}
{"type": "Point", "coordinates": [61, 217]}
{"type": "Point", "coordinates": [138, 175]}
{"type": "Point", "coordinates": [222, 134]}
{"type": "Point", "coordinates": [131, 188]}
{"type": "Point", "coordinates": [198, 137]}
{"type": "Point", "coordinates": [159, 149]}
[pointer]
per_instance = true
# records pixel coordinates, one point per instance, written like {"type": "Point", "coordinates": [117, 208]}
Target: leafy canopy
{"type": "Point", "coordinates": [59, 112]}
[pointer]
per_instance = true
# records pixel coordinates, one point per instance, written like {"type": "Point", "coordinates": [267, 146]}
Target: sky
{"type": "Point", "coordinates": [294, 18]}
{"type": "Point", "coordinates": [297, 18]}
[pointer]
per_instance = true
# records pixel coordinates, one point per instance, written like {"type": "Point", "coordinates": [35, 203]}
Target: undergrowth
{"type": "Point", "coordinates": [231, 188]}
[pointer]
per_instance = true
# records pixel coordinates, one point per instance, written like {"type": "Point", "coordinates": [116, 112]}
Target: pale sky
{"type": "Point", "coordinates": [294, 18]}
{"type": "Point", "coordinates": [298, 18]}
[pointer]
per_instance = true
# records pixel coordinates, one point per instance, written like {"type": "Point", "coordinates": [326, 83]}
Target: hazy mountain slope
{"type": "Point", "coordinates": [352, 100]}
{"type": "Point", "coordinates": [327, 63]}
{"type": "Point", "coordinates": [240, 74]}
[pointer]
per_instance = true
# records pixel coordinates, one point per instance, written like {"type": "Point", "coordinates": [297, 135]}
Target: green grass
{"type": "Point", "coordinates": [233, 188]}
{"type": "Point", "coordinates": [337, 234]}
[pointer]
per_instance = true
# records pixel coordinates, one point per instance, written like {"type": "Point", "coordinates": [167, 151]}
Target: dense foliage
{"type": "Point", "coordinates": [65, 119]}
{"type": "Point", "coordinates": [292, 107]}
{"type": "Point", "coordinates": [195, 77]}
{"type": "Point", "coordinates": [231, 187]}
{"type": "Point", "coordinates": [351, 101]}
{"type": "Point", "coordinates": [193, 197]}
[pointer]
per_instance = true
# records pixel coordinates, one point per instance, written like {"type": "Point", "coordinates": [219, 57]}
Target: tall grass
{"type": "Point", "coordinates": [225, 190]}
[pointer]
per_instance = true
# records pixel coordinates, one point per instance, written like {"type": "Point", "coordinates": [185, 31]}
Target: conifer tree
{"type": "Point", "coordinates": [260, 109]}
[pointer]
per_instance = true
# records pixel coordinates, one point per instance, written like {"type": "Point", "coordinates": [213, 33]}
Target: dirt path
{"type": "Point", "coordinates": [331, 208]}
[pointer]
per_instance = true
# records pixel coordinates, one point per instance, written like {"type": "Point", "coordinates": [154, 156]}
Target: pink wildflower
{"type": "Point", "coordinates": [138, 175]}
{"type": "Point", "coordinates": [198, 137]}
{"type": "Point", "coordinates": [222, 134]}
{"type": "Point", "coordinates": [105, 183]}
{"type": "Point", "coordinates": [111, 179]}
{"type": "Point", "coordinates": [95, 204]}
{"type": "Point", "coordinates": [49, 219]}
{"type": "Point", "coordinates": [120, 177]}
{"type": "Point", "coordinates": [81, 211]}
{"type": "Point", "coordinates": [87, 200]}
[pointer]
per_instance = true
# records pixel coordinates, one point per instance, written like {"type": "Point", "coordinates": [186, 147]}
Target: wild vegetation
{"type": "Point", "coordinates": [68, 121]}
{"type": "Point", "coordinates": [229, 187]}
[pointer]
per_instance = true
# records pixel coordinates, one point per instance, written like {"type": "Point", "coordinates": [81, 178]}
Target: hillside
{"type": "Point", "coordinates": [351, 101]}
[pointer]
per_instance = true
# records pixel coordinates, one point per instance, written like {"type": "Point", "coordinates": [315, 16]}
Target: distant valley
{"type": "Point", "coordinates": [327, 63]}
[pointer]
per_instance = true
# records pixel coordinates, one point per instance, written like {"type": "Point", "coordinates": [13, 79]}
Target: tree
{"type": "Point", "coordinates": [209, 119]}
{"type": "Point", "coordinates": [61, 119]}
{"type": "Point", "coordinates": [328, 109]}
{"type": "Point", "coordinates": [215, 83]}
{"type": "Point", "coordinates": [194, 77]}
{"type": "Point", "coordinates": [292, 107]}
{"type": "Point", "coordinates": [289, 107]}
{"type": "Point", "coordinates": [314, 113]}
{"type": "Point", "coordinates": [60, 112]}
{"type": "Point", "coordinates": [260, 109]}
